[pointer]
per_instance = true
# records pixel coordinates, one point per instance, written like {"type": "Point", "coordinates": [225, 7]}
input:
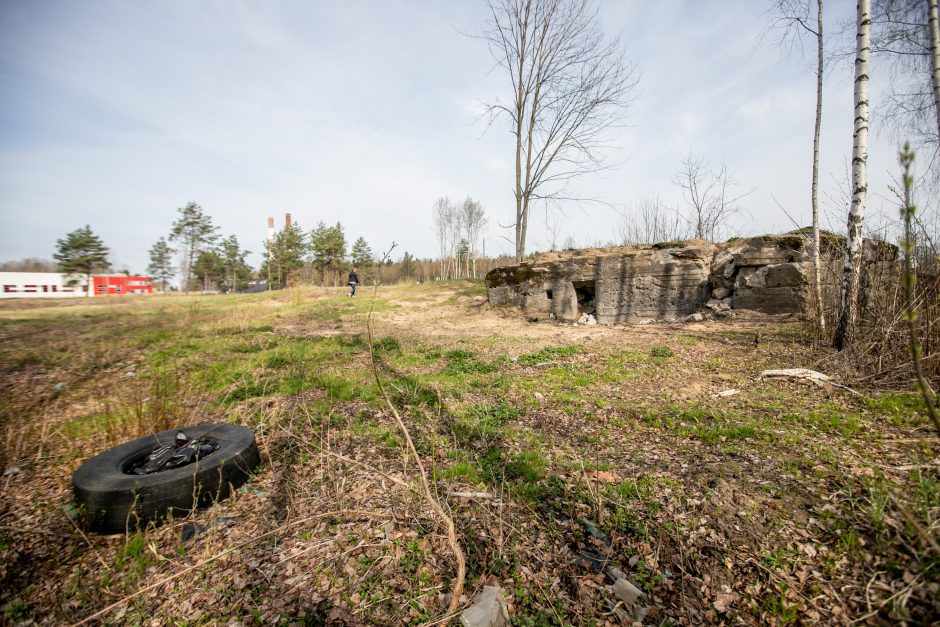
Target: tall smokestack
{"type": "Point", "coordinates": [270, 231]}
{"type": "Point", "coordinates": [287, 220]}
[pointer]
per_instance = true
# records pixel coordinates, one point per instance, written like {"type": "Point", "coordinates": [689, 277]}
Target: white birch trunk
{"type": "Point", "coordinates": [817, 282]}
{"type": "Point", "coordinates": [935, 58]}
{"type": "Point", "coordinates": [852, 270]}
{"type": "Point", "coordinates": [521, 208]}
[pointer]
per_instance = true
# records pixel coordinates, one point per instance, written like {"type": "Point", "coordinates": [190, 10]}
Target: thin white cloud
{"type": "Point", "coordinates": [114, 114]}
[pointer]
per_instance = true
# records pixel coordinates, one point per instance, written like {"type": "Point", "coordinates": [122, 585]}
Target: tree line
{"type": "Point", "coordinates": [320, 256]}
{"type": "Point", "coordinates": [206, 261]}
{"type": "Point", "coordinates": [292, 255]}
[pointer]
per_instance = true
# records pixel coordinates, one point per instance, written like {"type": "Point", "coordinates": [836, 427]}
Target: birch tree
{"type": "Point", "coordinates": [935, 58]}
{"type": "Point", "coordinates": [443, 216]}
{"type": "Point", "coordinates": [793, 20]}
{"type": "Point", "coordinates": [454, 236]}
{"type": "Point", "coordinates": [853, 257]}
{"type": "Point", "coordinates": [570, 84]}
{"type": "Point", "coordinates": [473, 220]}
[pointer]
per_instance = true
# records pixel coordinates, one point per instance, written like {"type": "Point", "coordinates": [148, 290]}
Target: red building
{"type": "Point", "coordinates": [119, 284]}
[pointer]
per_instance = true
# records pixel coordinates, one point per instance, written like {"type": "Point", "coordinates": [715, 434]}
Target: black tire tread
{"type": "Point", "coordinates": [110, 501]}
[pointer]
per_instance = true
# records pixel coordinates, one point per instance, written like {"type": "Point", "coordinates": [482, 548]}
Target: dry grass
{"type": "Point", "coordinates": [783, 503]}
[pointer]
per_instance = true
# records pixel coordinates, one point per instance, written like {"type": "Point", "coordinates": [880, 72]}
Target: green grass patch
{"type": "Point", "coordinates": [480, 425]}
{"type": "Point", "coordinates": [638, 488]}
{"type": "Point", "coordinates": [710, 426]}
{"type": "Point", "coordinates": [828, 418]}
{"type": "Point", "coordinates": [901, 409]}
{"type": "Point", "coordinates": [88, 426]}
{"type": "Point", "coordinates": [661, 352]}
{"type": "Point", "coordinates": [549, 353]}
{"type": "Point", "coordinates": [134, 557]}
{"type": "Point", "coordinates": [464, 470]}
{"type": "Point", "coordinates": [466, 362]}
{"type": "Point", "coordinates": [715, 434]}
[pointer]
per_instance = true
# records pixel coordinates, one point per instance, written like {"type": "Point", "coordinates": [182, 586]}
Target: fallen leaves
{"type": "Point", "coordinates": [604, 475]}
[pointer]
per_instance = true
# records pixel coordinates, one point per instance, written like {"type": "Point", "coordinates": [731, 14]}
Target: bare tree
{"type": "Point", "coordinates": [712, 196]}
{"type": "Point", "coordinates": [473, 220]}
{"type": "Point", "coordinates": [570, 85]}
{"type": "Point", "coordinates": [443, 219]}
{"type": "Point", "coordinates": [902, 34]}
{"type": "Point", "coordinates": [853, 256]}
{"type": "Point", "coordinates": [793, 19]}
{"type": "Point", "coordinates": [453, 239]}
{"type": "Point", "coordinates": [649, 221]}
{"type": "Point", "coordinates": [458, 229]}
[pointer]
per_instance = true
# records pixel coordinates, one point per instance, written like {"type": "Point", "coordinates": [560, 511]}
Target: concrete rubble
{"type": "Point", "coordinates": [489, 610]}
{"type": "Point", "coordinates": [675, 281]}
{"type": "Point", "coordinates": [628, 608]}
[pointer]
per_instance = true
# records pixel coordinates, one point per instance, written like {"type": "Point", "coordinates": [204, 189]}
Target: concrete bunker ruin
{"type": "Point", "coordinates": [672, 281]}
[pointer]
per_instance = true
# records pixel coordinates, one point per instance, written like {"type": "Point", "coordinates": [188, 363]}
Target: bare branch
{"type": "Point", "coordinates": [711, 196]}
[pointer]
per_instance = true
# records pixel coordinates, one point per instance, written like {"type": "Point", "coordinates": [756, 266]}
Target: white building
{"type": "Point", "coordinates": [42, 285]}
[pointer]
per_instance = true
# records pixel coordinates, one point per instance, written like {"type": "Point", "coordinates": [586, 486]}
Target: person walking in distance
{"type": "Point", "coordinates": [353, 281]}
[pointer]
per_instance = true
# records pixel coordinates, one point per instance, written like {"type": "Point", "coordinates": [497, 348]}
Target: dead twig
{"type": "Point", "coordinates": [916, 525]}
{"type": "Point", "coordinates": [472, 495]}
{"type": "Point", "coordinates": [88, 542]}
{"type": "Point", "coordinates": [807, 375]}
{"type": "Point", "coordinates": [218, 556]}
{"type": "Point", "coordinates": [865, 617]}
{"type": "Point", "coordinates": [457, 589]}
{"type": "Point", "coordinates": [780, 579]}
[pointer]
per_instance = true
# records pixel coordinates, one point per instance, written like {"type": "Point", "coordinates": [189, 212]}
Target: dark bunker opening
{"type": "Point", "coordinates": [584, 290]}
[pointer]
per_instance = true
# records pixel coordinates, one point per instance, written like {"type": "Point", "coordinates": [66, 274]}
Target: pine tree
{"type": "Point", "coordinates": [361, 254]}
{"type": "Point", "coordinates": [234, 267]}
{"type": "Point", "coordinates": [209, 269]}
{"type": "Point", "coordinates": [161, 262]}
{"type": "Point", "coordinates": [462, 258]}
{"type": "Point", "coordinates": [285, 255]}
{"type": "Point", "coordinates": [328, 247]}
{"type": "Point", "coordinates": [82, 252]}
{"type": "Point", "coordinates": [407, 266]}
{"type": "Point", "coordinates": [195, 231]}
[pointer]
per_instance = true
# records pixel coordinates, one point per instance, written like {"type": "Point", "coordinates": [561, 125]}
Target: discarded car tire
{"type": "Point", "coordinates": [110, 500]}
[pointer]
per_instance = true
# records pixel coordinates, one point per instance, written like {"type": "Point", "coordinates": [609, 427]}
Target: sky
{"type": "Point", "coordinates": [115, 114]}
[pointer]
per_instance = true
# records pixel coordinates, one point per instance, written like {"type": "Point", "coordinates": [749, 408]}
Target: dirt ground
{"type": "Point", "coordinates": [567, 455]}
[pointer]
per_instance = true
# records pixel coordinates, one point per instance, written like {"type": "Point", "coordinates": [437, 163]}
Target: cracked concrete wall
{"type": "Point", "coordinates": [629, 284]}
{"type": "Point", "coordinates": [770, 274]}
{"type": "Point", "coordinates": [652, 284]}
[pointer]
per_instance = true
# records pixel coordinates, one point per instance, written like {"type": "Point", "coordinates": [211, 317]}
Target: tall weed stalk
{"type": "Point", "coordinates": [908, 209]}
